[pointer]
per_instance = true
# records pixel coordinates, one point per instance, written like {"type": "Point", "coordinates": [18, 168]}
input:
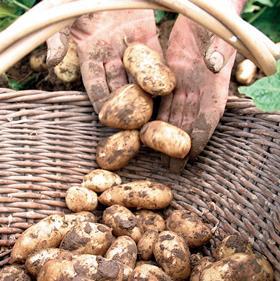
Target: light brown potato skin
{"type": "Point", "coordinates": [13, 273]}
{"type": "Point", "coordinates": [148, 69]}
{"type": "Point", "coordinates": [99, 180]}
{"type": "Point", "coordinates": [124, 250]}
{"type": "Point", "coordinates": [88, 238]}
{"type": "Point", "coordinates": [122, 221]}
{"type": "Point", "coordinates": [128, 108]}
{"type": "Point", "coordinates": [189, 226]}
{"type": "Point", "coordinates": [146, 244]}
{"type": "Point", "coordinates": [149, 220]}
{"type": "Point", "coordinates": [138, 194]}
{"type": "Point", "coordinates": [147, 272]}
{"type": "Point", "coordinates": [166, 138]}
{"type": "Point", "coordinates": [141, 262]}
{"type": "Point", "coordinates": [236, 267]}
{"type": "Point", "coordinates": [202, 264]}
{"type": "Point", "coordinates": [114, 152]}
{"type": "Point", "coordinates": [171, 249]}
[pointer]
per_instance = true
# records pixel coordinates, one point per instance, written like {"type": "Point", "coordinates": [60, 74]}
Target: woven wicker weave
{"type": "Point", "coordinates": [48, 142]}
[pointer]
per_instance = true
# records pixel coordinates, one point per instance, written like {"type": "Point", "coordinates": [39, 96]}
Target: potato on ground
{"type": "Point", "coordinates": [128, 108]}
{"type": "Point", "coordinates": [122, 221]}
{"type": "Point", "coordinates": [99, 180]}
{"type": "Point", "coordinates": [146, 244]}
{"type": "Point", "coordinates": [13, 273]}
{"type": "Point", "coordinates": [138, 194]}
{"type": "Point", "coordinates": [172, 254]}
{"type": "Point", "coordinates": [200, 266]}
{"type": "Point", "coordinates": [88, 238]}
{"type": "Point", "coordinates": [166, 138]}
{"type": "Point", "coordinates": [147, 67]}
{"type": "Point", "coordinates": [114, 152]}
{"type": "Point", "coordinates": [147, 272]}
{"type": "Point", "coordinates": [149, 220]}
{"type": "Point", "coordinates": [141, 262]}
{"type": "Point", "coordinates": [189, 226]}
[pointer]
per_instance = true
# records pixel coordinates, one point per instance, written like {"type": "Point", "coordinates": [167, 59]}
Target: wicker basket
{"type": "Point", "coordinates": [48, 142]}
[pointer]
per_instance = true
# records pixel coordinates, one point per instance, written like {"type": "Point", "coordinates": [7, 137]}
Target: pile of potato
{"type": "Point", "coordinates": [127, 239]}
{"type": "Point", "coordinates": [131, 107]}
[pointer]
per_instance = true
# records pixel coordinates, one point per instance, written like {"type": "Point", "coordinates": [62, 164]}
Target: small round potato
{"type": "Point", "coordinates": [13, 273]}
{"type": "Point", "coordinates": [128, 108]}
{"type": "Point", "coordinates": [138, 194]}
{"type": "Point", "coordinates": [147, 67]}
{"type": "Point", "coordinates": [114, 152]}
{"type": "Point", "coordinates": [88, 238]}
{"type": "Point", "coordinates": [246, 72]}
{"type": "Point", "coordinates": [149, 220]}
{"type": "Point", "coordinates": [166, 138]}
{"type": "Point", "coordinates": [124, 250]}
{"type": "Point", "coordinates": [190, 227]}
{"type": "Point", "coordinates": [172, 254]}
{"type": "Point", "coordinates": [122, 221]}
{"type": "Point", "coordinates": [99, 180]}
{"type": "Point", "coordinates": [79, 199]}
{"type": "Point", "coordinates": [201, 265]}
{"type": "Point", "coordinates": [147, 272]}
{"type": "Point", "coordinates": [146, 244]}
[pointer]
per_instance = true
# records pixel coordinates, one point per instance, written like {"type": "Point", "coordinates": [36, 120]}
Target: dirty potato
{"type": "Point", "coordinates": [141, 262]}
{"type": "Point", "coordinates": [171, 249]}
{"type": "Point", "coordinates": [199, 267]}
{"type": "Point", "coordinates": [149, 220]}
{"type": "Point", "coordinates": [114, 152]}
{"type": "Point", "coordinates": [138, 194]}
{"type": "Point", "coordinates": [99, 180]}
{"type": "Point", "coordinates": [13, 273]}
{"type": "Point", "coordinates": [122, 221]}
{"type": "Point", "coordinates": [88, 238]}
{"type": "Point", "coordinates": [147, 67]}
{"type": "Point", "coordinates": [166, 138]}
{"type": "Point", "coordinates": [189, 226]}
{"type": "Point", "coordinates": [128, 108]}
{"type": "Point", "coordinates": [79, 199]}
{"type": "Point", "coordinates": [146, 244]}
{"type": "Point", "coordinates": [147, 272]}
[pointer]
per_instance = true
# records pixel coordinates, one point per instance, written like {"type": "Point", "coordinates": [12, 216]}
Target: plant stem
{"type": "Point", "coordinates": [257, 15]}
{"type": "Point", "coordinates": [20, 5]}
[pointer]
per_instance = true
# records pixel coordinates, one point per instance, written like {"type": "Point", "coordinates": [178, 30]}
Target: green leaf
{"type": "Point", "coordinates": [159, 15]}
{"type": "Point", "coordinates": [265, 92]}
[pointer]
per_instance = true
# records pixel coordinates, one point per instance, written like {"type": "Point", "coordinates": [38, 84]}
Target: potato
{"type": "Point", "coordinates": [201, 265]}
{"type": "Point", "coordinates": [266, 266]}
{"type": "Point", "coordinates": [149, 220]}
{"type": "Point", "coordinates": [37, 60]}
{"type": "Point", "coordinates": [141, 262]}
{"type": "Point", "coordinates": [36, 261]}
{"type": "Point", "coordinates": [99, 180]}
{"type": "Point", "coordinates": [189, 226]}
{"type": "Point", "coordinates": [146, 244]}
{"type": "Point", "coordinates": [47, 233]}
{"type": "Point", "coordinates": [114, 152]}
{"type": "Point", "coordinates": [81, 267]}
{"type": "Point", "coordinates": [147, 67]}
{"type": "Point", "coordinates": [13, 273]}
{"type": "Point", "coordinates": [231, 245]}
{"type": "Point", "coordinates": [88, 238]}
{"type": "Point", "coordinates": [124, 250]}
{"type": "Point", "coordinates": [122, 221]}
{"type": "Point", "coordinates": [147, 272]}
{"type": "Point", "coordinates": [128, 108]}
{"type": "Point", "coordinates": [138, 194]}
{"type": "Point", "coordinates": [236, 267]}
{"type": "Point", "coordinates": [246, 72]}
{"type": "Point", "coordinates": [172, 254]}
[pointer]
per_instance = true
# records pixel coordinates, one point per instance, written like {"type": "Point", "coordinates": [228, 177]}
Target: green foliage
{"type": "Point", "coordinates": [162, 16]}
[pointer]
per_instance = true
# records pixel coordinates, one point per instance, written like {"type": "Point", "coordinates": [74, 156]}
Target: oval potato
{"type": "Point", "coordinates": [149, 220]}
{"type": "Point", "coordinates": [148, 272]}
{"type": "Point", "coordinates": [146, 244]}
{"type": "Point", "coordinates": [147, 67]}
{"type": "Point", "coordinates": [114, 152]}
{"type": "Point", "coordinates": [13, 273]}
{"type": "Point", "coordinates": [138, 194]}
{"type": "Point", "coordinates": [128, 108]}
{"type": "Point", "coordinates": [201, 265]}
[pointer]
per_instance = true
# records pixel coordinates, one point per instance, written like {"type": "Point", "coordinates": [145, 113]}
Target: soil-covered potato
{"type": "Point", "coordinates": [141, 262]}
{"type": "Point", "coordinates": [128, 108]}
{"type": "Point", "coordinates": [237, 267]}
{"type": "Point", "coordinates": [200, 266]}
{"type": "Point", "coordinates": [124, 250]}
{"type": "Point", "coordinates": [37, 60]}
{"type": "Point", "coordinates": [138, 194]}
{"type": "Point", "coordinates": [149, 220]}
{"type": "Point", "coordinates": [146, 244]}
{"type": "Point", "coordinates": [171, 249]}
{"type": "Point", "coordinates": [88, 238]}
{"type": "Point", "coordinates": [79, 199]}
{"type": "Point", "coordinates": [147, 67]}
{"type": "Point", "coordinates": [114, 152]}
{"type": "Point", "coordinates": [99, 180]}
{"type": "Point", "coordinates": [147, 272]}
{"type": "Point", "coordinates": [13, 273]}
{"type": "Point", "coordinates": [166, 138]}
{"type": "Point", "coordinates": [122, 221]}
{"type": "Point", "coordinates": [189, 226]}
